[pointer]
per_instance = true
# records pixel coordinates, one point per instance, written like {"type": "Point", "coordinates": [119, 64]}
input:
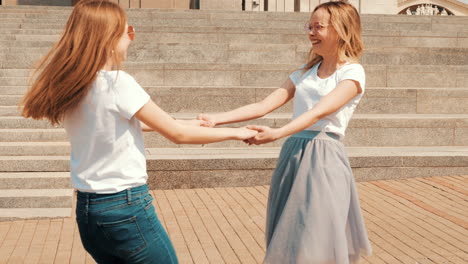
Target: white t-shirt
{"type": "Point", "coordinates": [310, 89]}
{"type": "Point", "coordinates": [107, 148]}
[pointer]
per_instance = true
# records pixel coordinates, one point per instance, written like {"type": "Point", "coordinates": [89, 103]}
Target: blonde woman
{"type": "Point", "coordinates": [77, 84]}
{"type": "Point", "coordinates": [313, 213]}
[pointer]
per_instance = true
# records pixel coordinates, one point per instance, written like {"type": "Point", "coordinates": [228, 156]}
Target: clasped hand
{"type": "Point", "coordinates": [265, 134]}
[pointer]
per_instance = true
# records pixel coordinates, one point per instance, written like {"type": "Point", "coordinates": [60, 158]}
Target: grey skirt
{"type": "Point", "coordinates": [313, 214]}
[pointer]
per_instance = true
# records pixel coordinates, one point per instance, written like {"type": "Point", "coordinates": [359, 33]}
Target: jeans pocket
{"type": "Point", "coordinates": [124, 236]}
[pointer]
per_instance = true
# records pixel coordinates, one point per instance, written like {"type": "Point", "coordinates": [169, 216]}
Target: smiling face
{"type": "Point", "coordinates": [322, 35]}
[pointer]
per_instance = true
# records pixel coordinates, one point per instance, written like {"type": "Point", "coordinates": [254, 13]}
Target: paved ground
{"type": "Point", "coordinates": [419, 220]}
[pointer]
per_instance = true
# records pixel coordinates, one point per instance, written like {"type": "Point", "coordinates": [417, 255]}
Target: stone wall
{"type": "Point", "coordinates": [38, 2]}
{"type": "Point", "coordinates": [173, 4]}
{"type": "Point", "coordinates": [221, 5]}
{"type": "Point", "coordinates": [363, 6]}
{"type": "Point", "coordinates": [378, 7]}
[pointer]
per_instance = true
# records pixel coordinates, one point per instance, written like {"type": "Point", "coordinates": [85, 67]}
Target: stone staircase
{"type": "Point", "coordinates": [412, 121]}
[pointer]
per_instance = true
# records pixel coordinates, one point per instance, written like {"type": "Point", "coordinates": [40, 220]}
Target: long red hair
{"type": "Point", "coordinates": [64, 76]}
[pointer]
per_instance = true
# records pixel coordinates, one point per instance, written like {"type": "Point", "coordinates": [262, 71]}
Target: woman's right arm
{"type": "Point", "coordinates": [252, 111]}
{"type": "Point", "coordinates": [158, 120]}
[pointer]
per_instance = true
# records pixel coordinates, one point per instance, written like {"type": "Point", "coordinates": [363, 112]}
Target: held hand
{"type": "Point", "coordinates": [245, 133]}
{"type": "Point", "coordinates": [209, 120]}
{"type": "Point", "coordinates": [265, 135]}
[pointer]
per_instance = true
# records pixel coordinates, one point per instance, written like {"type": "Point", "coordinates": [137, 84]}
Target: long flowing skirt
{"type": "Point", "coordinates": [313, 214]}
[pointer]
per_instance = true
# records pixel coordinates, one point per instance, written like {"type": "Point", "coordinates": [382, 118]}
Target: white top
{"type": "Point", "coordinates": [107, 148]}
{"type": "Point", "coordinates": [310, 89]}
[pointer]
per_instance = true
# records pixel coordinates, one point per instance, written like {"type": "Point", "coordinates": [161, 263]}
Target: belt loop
{"type": "Point", "coordinates": [129, 196]}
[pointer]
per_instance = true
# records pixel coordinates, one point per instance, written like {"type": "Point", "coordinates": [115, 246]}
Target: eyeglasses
{"type": "Point", "coordinates": [314, 29]}
{"type": "Point", "coordinates": [131, 32]}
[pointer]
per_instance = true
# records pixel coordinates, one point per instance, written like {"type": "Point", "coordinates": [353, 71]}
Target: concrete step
{"type": "Point", "coordinates": [10, 100]}
{"type": "Point", "coordinates": [238, 25]}
{"type": "Point", "coordinates": [372, 38]}
{"type": "Point", "coordinates": [12, 90]}
{"type": "Point", "coordinates": [15, 214]}
{"type": "Point", "coordinates": [35, 180]}
{"type": "Point", "coordinates": [171, 34]}
{"type": "Point", "coordinates": [33, 135]}
{"type": "Point", "coordinates": [9, 110]}
{"type": "Point", "coordinates": [201, 18]}
{"type": "Point", "coordinates": [14, 122]}
{"type": "Point", "coordinates": [38, 11]}
{"type": "Point", "coordinates": [377, 100]}
{"type": "Point", "coordinates": [272, 75]}
{"type": "Point", "coordinates": [363, 130]}
{"type": "Point", "coordinates": [257, 54]}
{"type": "Point", "coordinates": [385, 100]}
{"type": "Point", "coordinates": [207, 167]}
{"type": "Point", "coordinates": [22, 10]}
{"type": "Point", "coordinates": [12, 72]}
{"type": "Point", "coordinates": [206, 35]}
{"type": "Point", "coordinates": [269, 75]}
{"type": "Point", "coordinates": [34, 148]}
{"type": "Point", "coordinates": [36, 198]}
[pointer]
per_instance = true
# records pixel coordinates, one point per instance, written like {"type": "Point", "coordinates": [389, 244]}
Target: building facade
{"type": "Point", "coordinates": [403, 7]}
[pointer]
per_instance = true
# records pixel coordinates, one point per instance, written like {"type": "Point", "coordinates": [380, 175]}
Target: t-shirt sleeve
{"type": "Point", "coordinates": [355, 72]}
{"type": "Point", "coordinates": [130, 96]}
{"type": "Point", "coordinates": [296, 76]}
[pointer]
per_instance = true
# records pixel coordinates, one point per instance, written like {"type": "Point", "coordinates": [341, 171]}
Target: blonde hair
{"type": "Point", "coordinates": [346, 21]}
{"type": "Point", "coordinates": [64, 76]}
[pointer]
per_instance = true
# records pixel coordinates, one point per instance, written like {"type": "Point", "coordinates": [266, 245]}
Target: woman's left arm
{"type": "Point", "coordinates": [192, 122]}
{"type": "Point", "coordinates": [344, 92]}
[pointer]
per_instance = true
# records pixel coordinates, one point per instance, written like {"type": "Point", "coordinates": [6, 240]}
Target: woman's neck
{"type": "Point", "coordinates": [331, 63]}
{"type": "Point", "coordinates": [108, 66]}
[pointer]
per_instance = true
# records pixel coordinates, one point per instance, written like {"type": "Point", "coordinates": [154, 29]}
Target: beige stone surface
{"type": "Point", "coordinates": [411, 122]}
{"type": "Point", "coordinates": [220, 5]}
{"type": "Point", "coordinates": [418, 220]}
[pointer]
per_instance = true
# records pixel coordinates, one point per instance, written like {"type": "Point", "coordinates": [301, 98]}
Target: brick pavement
{"type": "Point", "coordinates": [417, 220]}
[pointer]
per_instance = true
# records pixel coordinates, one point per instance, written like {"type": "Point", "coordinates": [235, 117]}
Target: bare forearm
{"type": "Point", "coordinates": [335, 100]}
{"type": "Point", "coordinates": [252, 111]}
{"type": "Point", "coordinates": [145, 128]}
{"type": "Point", "coordinates": [202, 135]}
{"type": "Point", "coordinates": [300, 123]}
{"type": "Point", "coordinates": [244, 113]}
{"type": "Point", "coordinates": [194, 122]}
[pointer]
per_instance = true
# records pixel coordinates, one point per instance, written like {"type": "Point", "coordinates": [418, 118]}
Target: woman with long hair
{"type": "Point", "coordinates": [103, 110]}
{"type": "Point", "coordinates": [313, 213]}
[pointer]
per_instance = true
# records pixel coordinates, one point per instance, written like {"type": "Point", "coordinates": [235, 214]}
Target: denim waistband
{"type": "Point", "coordinates": [312, 134]}
{"type": "Point", "coordinates": [125, 194]}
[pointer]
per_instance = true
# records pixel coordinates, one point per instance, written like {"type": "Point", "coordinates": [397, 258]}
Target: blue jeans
{"type": "Point", "coordinates": [123, 228]}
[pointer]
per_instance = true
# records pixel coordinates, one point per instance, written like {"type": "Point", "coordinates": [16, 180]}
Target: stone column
{"type": "Point", "coordinates": [285, 5]}
{"type": "Point", "coordinates": [356, 4]}
{"type": "Point", "coordinates": [289, 5]}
